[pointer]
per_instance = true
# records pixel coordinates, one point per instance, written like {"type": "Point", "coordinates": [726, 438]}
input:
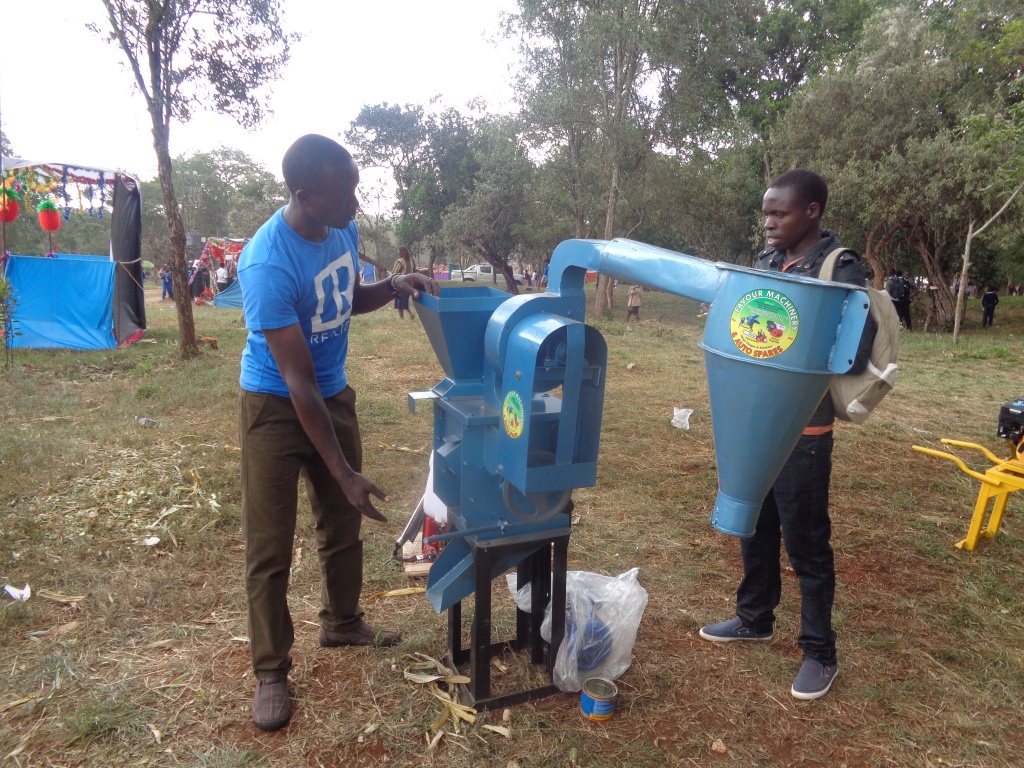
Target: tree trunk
{"type": "Point", "coordinates": [603, 297]}
{"type": "Point", "coordinates": [873, 252]}
{"type": "Point", "coordinates": [176, 227]}
{"type": "Point", "coordinates": [961, 295]}
{"type": "Point", "coordinates": [961, 304]}
{"type": "Point", "coordinates": [576, 184]}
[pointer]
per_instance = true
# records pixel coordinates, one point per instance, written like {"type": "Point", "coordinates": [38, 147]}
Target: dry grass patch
{"type": "Point", "coordinates": [137, 654]}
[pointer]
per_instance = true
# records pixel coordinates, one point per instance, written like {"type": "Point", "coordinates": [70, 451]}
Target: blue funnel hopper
{"type": "Point", "coordinates": [457, 333]}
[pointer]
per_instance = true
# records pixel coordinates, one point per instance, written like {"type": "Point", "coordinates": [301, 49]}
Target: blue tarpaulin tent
{"type": "Point", "coordinates": [64, 302]}
{"type": "Point", "coordinates": [80, 302]}
{"type": "Point", "coordinates": [230, 296]}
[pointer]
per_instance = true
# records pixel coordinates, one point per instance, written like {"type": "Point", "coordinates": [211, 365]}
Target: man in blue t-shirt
{"type": "Point", "coordinates": [300, 287]}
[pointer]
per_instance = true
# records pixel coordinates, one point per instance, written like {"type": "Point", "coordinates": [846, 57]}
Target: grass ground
{"type": "Point", "coordinates": [133, 653]}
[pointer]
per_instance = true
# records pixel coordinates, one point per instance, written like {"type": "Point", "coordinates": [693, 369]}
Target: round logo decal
{"type": "Point", "coordinates": [512, 414]}
{"type": "Point", "coordinates": [764, 323]}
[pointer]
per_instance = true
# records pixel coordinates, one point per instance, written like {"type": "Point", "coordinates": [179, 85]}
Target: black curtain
{"type": "Point", "coordinates": [126, 249]}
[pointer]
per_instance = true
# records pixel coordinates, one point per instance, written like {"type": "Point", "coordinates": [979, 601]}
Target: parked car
{"type": "Point", "coordinates": [482, 273]}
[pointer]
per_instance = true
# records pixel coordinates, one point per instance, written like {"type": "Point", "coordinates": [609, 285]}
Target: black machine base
{"type": "Point", "coordinates": [545, 569]}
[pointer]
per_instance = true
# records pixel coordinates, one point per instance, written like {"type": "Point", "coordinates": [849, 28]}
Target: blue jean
{"type": "Point", "coordinates": [795, 512]}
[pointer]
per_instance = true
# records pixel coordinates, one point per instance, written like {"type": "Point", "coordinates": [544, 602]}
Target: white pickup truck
{"type": "Point", "coordinates": [482, 273]}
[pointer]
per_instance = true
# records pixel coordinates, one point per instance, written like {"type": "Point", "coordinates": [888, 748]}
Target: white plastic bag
{"type": "Point", "coordinates": [602, 616]}
{"type": "Point", "coordinates": [681, 417]}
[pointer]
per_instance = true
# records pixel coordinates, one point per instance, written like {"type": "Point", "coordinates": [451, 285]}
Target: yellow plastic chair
{"type": "Point", "coordinates": [997, 483]}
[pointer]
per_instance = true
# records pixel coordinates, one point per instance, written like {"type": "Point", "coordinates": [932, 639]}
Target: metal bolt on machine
{"type": "Point", "coordinates": [508, 452]}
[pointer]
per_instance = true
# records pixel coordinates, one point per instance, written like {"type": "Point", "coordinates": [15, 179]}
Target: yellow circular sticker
{"type": "Point", "coordinates": [512, 414]}
{"type": "Point", "coordinates": [764, 323]}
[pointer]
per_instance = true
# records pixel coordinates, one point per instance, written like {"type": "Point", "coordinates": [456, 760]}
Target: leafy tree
{"type": "Point", "coordinates": [586, 67]}
{"type": "Point", "coordinates": [855, 125]}
{"type": "Point", "coordinates": [430, 159]}
{"type": "Point", "coordinates": [707, 206]}
{"type": "Point", "coordinates": [224, 193]}
{"type": "Point", "coordinates": [156, 246]}
{"type": "Point", "coordinates": [486, 222]}
{"type": "Point", "coordinates": [886, 127]}
{"type": "Point", "coordinates": [189, 53]}
{"type": "Point", "coordinates": [780, 46]}
{"type": "Point", "coordinates": [559, 109]}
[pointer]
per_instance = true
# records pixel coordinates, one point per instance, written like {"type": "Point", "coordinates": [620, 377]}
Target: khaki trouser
{"type": "Point", "coordinates": [275, 451]}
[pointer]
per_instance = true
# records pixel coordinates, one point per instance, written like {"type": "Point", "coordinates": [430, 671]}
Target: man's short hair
{"type": "Point", "coordinates": [808, 186]}
{"type": "Point", "coordinates": [307, 158]}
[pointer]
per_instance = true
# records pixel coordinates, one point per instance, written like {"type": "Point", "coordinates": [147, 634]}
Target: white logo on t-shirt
{"type": "Point", "coordinates": [334, 282]}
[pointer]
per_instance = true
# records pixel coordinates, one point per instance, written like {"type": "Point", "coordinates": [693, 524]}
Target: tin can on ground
{"type": "Point", "coordinates": [597, 699]}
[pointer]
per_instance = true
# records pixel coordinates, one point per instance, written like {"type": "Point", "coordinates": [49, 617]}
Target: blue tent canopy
{"type": "Point", "coordinates": [81, 302]}
{"type": "Point", "coordinates": [64, 302]}
{"type": "Point", "coordinates": [230, 296]}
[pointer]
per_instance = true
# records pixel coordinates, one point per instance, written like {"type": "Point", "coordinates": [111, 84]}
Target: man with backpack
{"type": "Point", "coordinates": [901, 290]}
{"type": "Point", "coordinates": [796, 508]}
{"type": "Point", "coordinates": [988, 307]}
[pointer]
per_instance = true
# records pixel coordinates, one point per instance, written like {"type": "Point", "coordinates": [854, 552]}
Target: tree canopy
{"type": "Point", "coordinates": [665, 122]}
{"type": "Point", "coordinates": [189, 54]}
{"type": "Point", "coordinates": [645, 119]}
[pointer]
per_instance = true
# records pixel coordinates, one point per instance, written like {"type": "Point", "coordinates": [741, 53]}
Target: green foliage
{"type": "Point", "coordinates": [223, 193]}
{"type": "Point", "coordinates": [214, 54]}
{"type": "Point", "coordinates": [430, 158]}
{"type": "Point", "coordinates": [486, 222]}
{"type": "Point", "coordinates": [8, 329]}
{"type": "Point", "coordinates": [790, 42]}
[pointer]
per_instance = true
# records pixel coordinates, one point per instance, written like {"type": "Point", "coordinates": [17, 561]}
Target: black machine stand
{"type": "Point", "coordinates": [545, 570]}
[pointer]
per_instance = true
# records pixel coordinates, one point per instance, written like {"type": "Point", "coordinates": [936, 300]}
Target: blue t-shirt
{"type": "Point", "coordinates": [286, 279]}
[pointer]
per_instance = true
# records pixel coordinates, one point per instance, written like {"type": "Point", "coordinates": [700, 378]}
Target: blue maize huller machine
{"type": "Point", "coordinates": [508, 452]}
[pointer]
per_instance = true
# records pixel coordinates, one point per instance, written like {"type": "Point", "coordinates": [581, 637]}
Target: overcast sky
{"type": "Point", "coordinates": [66, 95]}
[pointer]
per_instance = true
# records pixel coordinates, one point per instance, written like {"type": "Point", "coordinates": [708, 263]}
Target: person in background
{"type": "Point", "coordinates": [988, 307]}
{"type": "Point", "coordinates": [404, 265]}
{"type": "Point", "coordinates": [166, 283]}
{"type": "Point", "coordinates": [297, 416]}
{"type": "Point", "coordinates": [795, 511]}
{"type": "Point", "coordinates": [221, 278]}
{"type": "Point", "coordinates": [633, 302]}
{"type": "Point", "coordinates": [909, 291]}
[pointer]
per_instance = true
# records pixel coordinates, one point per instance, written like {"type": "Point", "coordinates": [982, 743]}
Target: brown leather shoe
{"type": "Point", "coordinates": [364, 634]}
{"type": "Point", "coordinates": [271, 707]}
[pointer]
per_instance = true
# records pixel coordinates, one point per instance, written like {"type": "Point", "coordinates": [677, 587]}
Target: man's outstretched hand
{"type": "Point", "coordinates": [359, 490]}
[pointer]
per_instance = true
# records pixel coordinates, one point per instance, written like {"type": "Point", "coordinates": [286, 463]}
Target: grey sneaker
{"type": "Point", "coordinates": [813, 680]}
{"type": "Point", "coordinates": [733, 629]}
{"type": "Point", "coordinates": [271, 707]}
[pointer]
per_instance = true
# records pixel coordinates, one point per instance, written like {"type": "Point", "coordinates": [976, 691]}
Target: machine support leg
{"type": "Point", "coordinates": [545, 570]}
{"type": "Point", "coordinates": [480, 642]}
{"type": "Point", "coordinates": [560, 556]}
{"type": "Point", "coordinates": [540, 592]}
